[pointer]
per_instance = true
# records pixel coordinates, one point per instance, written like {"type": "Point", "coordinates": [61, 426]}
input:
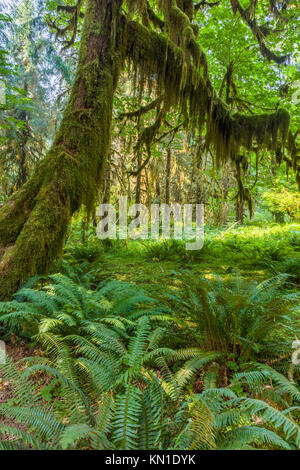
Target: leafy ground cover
{"type": "Point", "coordinates": [144, 345]}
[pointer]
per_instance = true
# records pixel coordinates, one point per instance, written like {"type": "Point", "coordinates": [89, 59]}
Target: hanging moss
{"type": "Point", "coordinates": [178, 21]}
{"type": "Point", "coordinates": [136, 6]}
{"type": "Point", "coordinates": [181, 74]}
{"type": "Point", "coordinates": [187, 6]}
{"type": "Point", "coordinates": [188, 34]}
{"type": "Point", "coordinates": [195, 28]}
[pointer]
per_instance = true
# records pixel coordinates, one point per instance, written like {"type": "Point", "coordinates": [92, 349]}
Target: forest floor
{"type": "Point", "coordinates": [156, 275]}
{"type": "Point", "coordinates": [252, 252]}
{"type": "Point", "coordinates": [16, 351]}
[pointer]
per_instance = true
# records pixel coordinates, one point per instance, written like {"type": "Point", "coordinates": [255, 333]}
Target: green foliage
{"type": "Point", "coordinates": [255, 243]}
{"type": "Point", "coordinates": [165, 249]}
{"type": "Point", "coordinates": [115, 381]}
{"type": "Point", "coordinates": [65, 307]}
{"type": "Point", "coordinates": [30, 116]}
{"type": "Point", "coordinates": [291, 266]}
{"type": "Point", "coordinates": [233, 322]}
{"type": "Point", "coordinates": [195, 361]}
{"type": "Point", "coordinates": [283, 202]}
{"type": "Point", "coordinates": [11, 95]}
{"type": "Point", "coordinates": [105, 389]}
{"type": "Point", "coordinates": [137, 414]}
{"type": "Point", "coordinates": [246, 244]}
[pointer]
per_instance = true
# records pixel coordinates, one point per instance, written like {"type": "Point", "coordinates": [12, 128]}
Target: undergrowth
{"type": "Point", "coordinates": [163, 353]}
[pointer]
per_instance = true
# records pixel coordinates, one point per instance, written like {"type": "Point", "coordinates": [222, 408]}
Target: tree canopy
{"type": "Point", "coordinates": [174, 52]}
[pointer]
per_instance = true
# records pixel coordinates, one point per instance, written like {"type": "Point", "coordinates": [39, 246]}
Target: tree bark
{"type": "Point", "coordinates": [34, 221]}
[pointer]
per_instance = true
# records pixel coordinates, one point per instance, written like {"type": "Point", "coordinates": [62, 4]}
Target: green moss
{"type": "Point", "coordinates": [177, 22]}
{"type": "Point", "coordinates": [195, 28]}
{"type": "Point", "coordinates": [70, 174]}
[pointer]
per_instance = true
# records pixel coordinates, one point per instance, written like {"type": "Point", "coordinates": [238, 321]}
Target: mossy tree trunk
{"type": "Point", "coordinates": [34, 221]}
{"type": "Point", "coordinates": [107, 181]}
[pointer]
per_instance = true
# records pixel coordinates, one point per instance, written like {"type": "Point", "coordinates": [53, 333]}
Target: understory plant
{"type": "Point", "coordinates": [110, 352]}
{"type": "Point", "coordinates": [113, 397]}
{"type": "Point", "coordinates": [60, 305]}
{"type": "Point", "coordinates": [230, 323]}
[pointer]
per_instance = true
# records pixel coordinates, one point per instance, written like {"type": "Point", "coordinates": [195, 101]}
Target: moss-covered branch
{"type": "Point", "coordinates": [72, 24]}
{"type": "Point", "coordinates": [248, 15]}
{"type": "Point", "coordinates": [142, 110]}
{"type": "Point", "coordinates": [205, 4]}
{"type": "Point", "coordinates": [185, 86]}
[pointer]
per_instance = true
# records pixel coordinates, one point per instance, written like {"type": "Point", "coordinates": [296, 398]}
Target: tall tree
{"type": "Point", "coordinates": [27, 40]}
{"type": "Point", "coordinates": [158, 40]}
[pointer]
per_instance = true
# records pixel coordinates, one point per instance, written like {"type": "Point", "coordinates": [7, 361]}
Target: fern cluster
{"type": "Point", "coordinates": [137, 411]}
{"type": "Point", "coordinates": [230, 323]}
{"type": "Point", "coordinates": [63, 306]}
{"type": "Point", "coordinates": [122, 381]}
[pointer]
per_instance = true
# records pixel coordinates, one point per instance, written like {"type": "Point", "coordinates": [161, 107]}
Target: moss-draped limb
{"type": "Point", "coordinates": [142, 110]}
{"type": "Point", "coordinates": [185, 86]}
{"type": "Point", "coordinates": [15, 212]}
{"type": "Point", "coordinates": [204, 4]}
{"type": "Point", "coordinates": [248, 15]}
{"type": "Point", "coordinates": [34, 221]}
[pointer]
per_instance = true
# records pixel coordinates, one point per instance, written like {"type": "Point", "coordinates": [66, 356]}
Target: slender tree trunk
{"type": "Point", "coordinates": [168, 174]}
{"type": "Point", "coordinates": [239, 211]}
{"type": "Point", "coordinates": [23, 174]}
{"type": "Point", "coordinates": [107, 181]}
{"type": "Point", "coordinates": [200, 192]}
{"type": "Point", "coordinates": [178, 186]}
{"type": "Point", "coordinates": [138, 182]}
{"type": "Point", "coordinates": [22, 177]}
{"type": "Point", "coordinates": [107, 184]}
{"type": "Point", "coordinates": [279, 217]}
{"type": "Point", "coordinates": [34, 221]}
{"type": "Point", "coordinates": [157, 189]}
{"type": "Point", "coordinates": [224, 197]}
